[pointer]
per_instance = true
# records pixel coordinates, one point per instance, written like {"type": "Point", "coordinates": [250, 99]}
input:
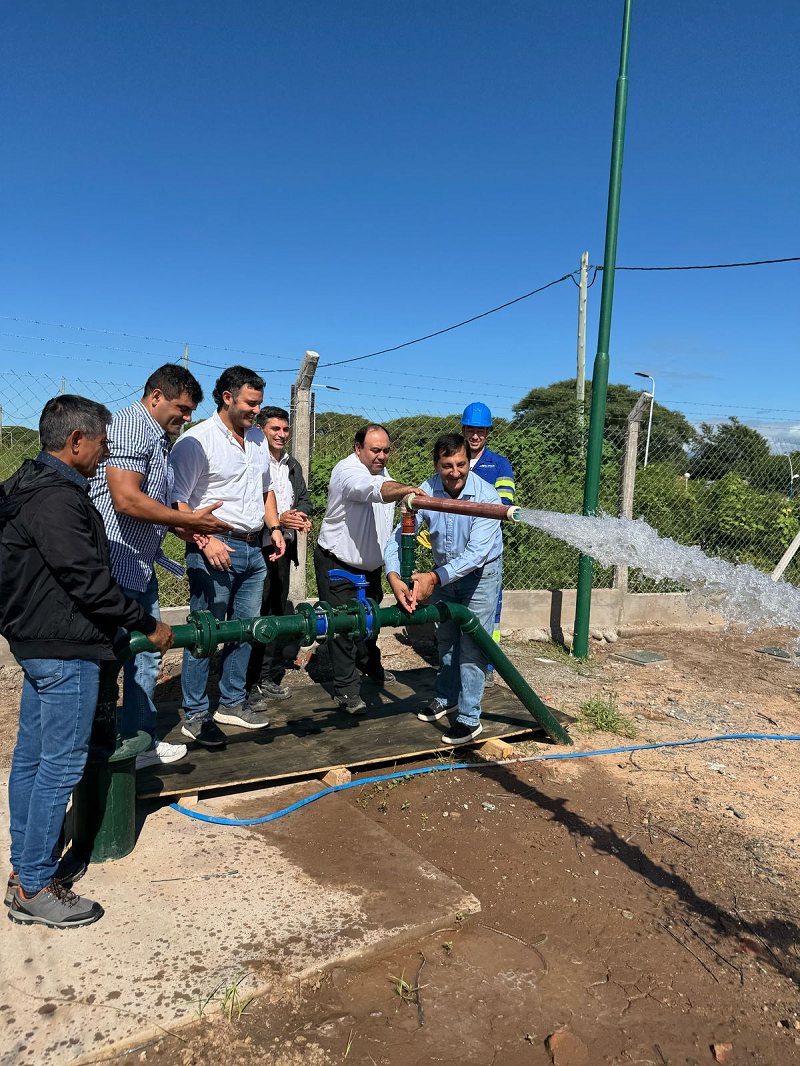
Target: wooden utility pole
{"type": "Point", "coordinates": [628, 482]}
{"type": "Point", "coordinates": [301, 451]}
{"type": "Point", "coordinates": [580, 380]}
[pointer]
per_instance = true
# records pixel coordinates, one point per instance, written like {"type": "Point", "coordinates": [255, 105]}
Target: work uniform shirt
{"type": "Point", "coordinates": [138, 443]}
{"type": "Point", "coordinates": [210, 465]}
{"type": "Point", "coordinates": [357, 522]}
{"type": "Point", "coordinates": [460, 543]}
{"type": "Point", "coordinates": [496, 471]}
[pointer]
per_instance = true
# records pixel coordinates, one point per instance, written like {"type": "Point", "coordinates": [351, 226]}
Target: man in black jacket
{"type": "Point", "coordinates": [265, 670]}
{"type": "Point", "coordinates": [60, 610]}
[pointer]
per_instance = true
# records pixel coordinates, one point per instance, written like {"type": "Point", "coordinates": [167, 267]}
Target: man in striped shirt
{"type": "Point", "coordinates": [133, 493]}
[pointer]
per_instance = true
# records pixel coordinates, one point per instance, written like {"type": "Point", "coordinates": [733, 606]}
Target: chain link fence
{"type": "Point", "coordinates": [724, 489]}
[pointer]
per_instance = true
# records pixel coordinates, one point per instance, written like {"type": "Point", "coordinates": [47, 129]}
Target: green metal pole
{"type": "Point", "coordinates": [591, 485]}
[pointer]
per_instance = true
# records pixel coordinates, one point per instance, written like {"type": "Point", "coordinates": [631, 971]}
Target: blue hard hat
{"type": "Point", "coordinates": [477, 414]}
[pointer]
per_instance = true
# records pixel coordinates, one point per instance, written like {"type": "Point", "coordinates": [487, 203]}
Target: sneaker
{"type": "Point", "coordinates": [434, 711]}
{"type": "Point", "coordinates": [461, 734]}
{"type": "Point", "coordinates": [351, 704]}
{"type": "Point", "coordinates": [161, 754]}
{"type": "Point", "coordinates": [70, 869]}
{"type": "Point", "coordinates": [204, 731]}
{"type": "Point", "coordinates": [269, 690]}
{"type": "Point", "coordinates": [383, 680]}
{"type": "Point", "coordinates": [241, 714]}
{"type": "Point", "coordinates": [54, 906]}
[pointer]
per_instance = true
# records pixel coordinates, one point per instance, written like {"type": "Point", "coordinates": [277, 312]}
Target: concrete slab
{"type": "Point", "coordinates": [641, 658]}
{"type": "Point", "coordinates": [195, 905]}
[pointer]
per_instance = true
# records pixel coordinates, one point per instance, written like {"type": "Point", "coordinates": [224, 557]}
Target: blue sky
{"type": "Point", "coordinates": [345, 177]}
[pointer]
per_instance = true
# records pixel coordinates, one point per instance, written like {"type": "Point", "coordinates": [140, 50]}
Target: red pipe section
{"type": "Point", "coordinates": [417, 501]}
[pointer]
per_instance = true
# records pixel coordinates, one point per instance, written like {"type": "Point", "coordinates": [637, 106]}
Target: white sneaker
{"type": "Point", "coordinates": [162, 753]}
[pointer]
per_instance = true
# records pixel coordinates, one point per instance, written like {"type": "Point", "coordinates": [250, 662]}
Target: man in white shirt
{"type": "Point", "coordinates": [355, 529]}
{"type": "Point", "coordinates": [225, 458]}
{"type": "Point", "coordinates": [265, 670]}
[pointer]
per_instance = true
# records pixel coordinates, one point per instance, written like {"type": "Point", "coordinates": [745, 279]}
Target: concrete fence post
{"type": "Point", "coordinates": [628, 480]}
{"type": "Point", "coordinates": [301, 451]}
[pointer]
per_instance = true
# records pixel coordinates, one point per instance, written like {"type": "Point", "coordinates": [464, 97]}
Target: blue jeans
{"type": "Point", "coordinates": [140, 673]}
{"type": "Point", "coordinates": [234, 593]}
{"type": "Point", "coordinates": [462, 667]}
{"type": "Point", "coordinates": [59, 697]}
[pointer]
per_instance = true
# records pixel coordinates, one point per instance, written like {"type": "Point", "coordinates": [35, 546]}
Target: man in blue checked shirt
{"type": "Point", "coordinates": [468, 557]}
{"type": "Point", "coordinates": [133, 493]}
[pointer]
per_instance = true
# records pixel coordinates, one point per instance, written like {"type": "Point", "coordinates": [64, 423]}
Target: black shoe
{"type": "Point", "coordinates": [351, 704]}
{"type": "Point", "coordinates": [434, 711]}
{"type": "Point", "coordinates": [205, 731]}
{"type": "Point", "coordinates": [268, 690]}
{"type": "Point", "coordinates": [53, 906]}
{"type": "Point", "coordinates": [383, 680]}
{"type": "Point", "coordinates": [458, 733]}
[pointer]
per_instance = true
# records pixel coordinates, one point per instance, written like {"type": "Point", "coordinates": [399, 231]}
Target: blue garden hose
{"type": "Point", "coordinates": [400, 774]}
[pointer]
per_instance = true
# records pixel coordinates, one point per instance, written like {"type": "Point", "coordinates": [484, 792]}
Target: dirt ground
{"type": "Point", "coordinates": [637, 907]}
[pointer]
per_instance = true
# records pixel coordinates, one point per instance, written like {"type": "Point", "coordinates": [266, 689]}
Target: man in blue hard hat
{"type": "Point", "coordinates": [493, 468]}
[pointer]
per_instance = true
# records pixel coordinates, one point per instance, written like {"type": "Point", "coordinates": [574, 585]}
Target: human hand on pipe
{"type": "Point", "coordinates": [162, 636]}
{"type": "Point", "coordinates": [423, 585]}
{"type": "Point", "coordinates": [406, 599]}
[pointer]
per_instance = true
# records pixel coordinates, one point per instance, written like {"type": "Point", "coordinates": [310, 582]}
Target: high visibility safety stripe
{"type": "Point", "coordinates": [506, 482]}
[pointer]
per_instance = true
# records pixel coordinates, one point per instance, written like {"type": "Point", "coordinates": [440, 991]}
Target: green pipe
{"type": "Point", "coordinates": [594, 453]}
{"type": "Point", "coordinates": [203, 634]}
{"type": "Point", "coordinates": [469, 624]}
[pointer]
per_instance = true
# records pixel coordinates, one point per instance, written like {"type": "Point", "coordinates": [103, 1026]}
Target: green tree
{"type": "Point", "coordinates": [730, 446]}
{"type": "Point", "coordinates": [556, 404]}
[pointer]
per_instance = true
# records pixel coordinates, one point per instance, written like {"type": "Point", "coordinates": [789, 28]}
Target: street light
{"type": "Point", "coordinates": [792, 476]}
{"type": "Point", "coordinates": [639, 374]}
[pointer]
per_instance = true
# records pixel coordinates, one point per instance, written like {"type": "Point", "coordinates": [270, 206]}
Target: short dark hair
{"type": "Point", "coordinates": [449, 444]}
{"type": "Point", "coordinates": [233, 380]}
{"type": "Point", "coordinates": [64, 414]}
{"type": "Point", "coordinates": [266, 413]}
{"type": "Point", "coordinates": [361, 435]}
{"type": "Point", "coordinates": [174, 381]}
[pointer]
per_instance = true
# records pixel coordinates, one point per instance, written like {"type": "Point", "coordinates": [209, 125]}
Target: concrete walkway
{"type": "Point", "coordinates": [195, 905]}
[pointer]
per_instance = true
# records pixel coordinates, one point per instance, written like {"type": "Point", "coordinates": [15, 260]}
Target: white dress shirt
{"type": "Point", "coordinates": [357, 523]}
{"type": "Point", "coordinates": [279, 482]}
{"type": "Point", "coordinates": [210, 465]}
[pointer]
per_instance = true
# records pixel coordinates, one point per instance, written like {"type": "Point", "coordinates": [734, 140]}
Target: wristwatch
{"type": "Point", "coordinates": [272, 529]}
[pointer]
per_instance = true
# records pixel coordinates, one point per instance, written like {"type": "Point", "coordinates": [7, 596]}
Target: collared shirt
{"type": "Point", "coordinates": [64, 469]}
{"type": "Point", "coordinates": [460, 543]}
{"type": "Point", "coordinates": [495, 470]}
{"type": "Point", "coordinates": [137, 443]}
{"type": "Point", "coordinates": [279, 482]}
{"type": "Point", "coordinates": [210, 465]}
{"type": "Point", "coordinates": [357, 522]}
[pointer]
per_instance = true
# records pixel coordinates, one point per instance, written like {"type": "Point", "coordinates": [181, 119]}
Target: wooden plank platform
{"type": "Point", "coordinates": [309, 735]}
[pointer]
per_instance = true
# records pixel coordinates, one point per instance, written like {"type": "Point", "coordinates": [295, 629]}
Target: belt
{"type": "Point", "coordinates": [234, 534]}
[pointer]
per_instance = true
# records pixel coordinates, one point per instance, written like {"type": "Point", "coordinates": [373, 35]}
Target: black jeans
{"type": "Point", "coordinates": [266, 660]}
{"type": "Point", "coordinates": [348, 656]}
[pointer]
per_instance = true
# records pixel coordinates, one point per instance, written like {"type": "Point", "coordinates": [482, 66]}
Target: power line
{"type": "Point", "coordinates": [396, 347]}
{"type": "Point", "coordinates": [141, 337]}
{"type": "Point", "coordinates": [447, 329]}
{"type": "Point", "coordinates": [715, 266]}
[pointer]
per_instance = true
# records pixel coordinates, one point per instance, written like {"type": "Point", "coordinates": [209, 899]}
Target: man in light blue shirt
{"type": "Point", "coordinates": [468, 558]}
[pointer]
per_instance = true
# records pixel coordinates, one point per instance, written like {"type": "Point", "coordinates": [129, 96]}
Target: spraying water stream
{"type": "Point", "coordinates": [739, 591]}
